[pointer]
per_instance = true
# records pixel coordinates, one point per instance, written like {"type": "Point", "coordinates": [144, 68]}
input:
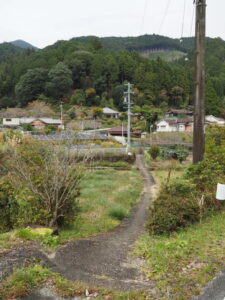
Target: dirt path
{"type": "Point", "coordinates": [103, 259]}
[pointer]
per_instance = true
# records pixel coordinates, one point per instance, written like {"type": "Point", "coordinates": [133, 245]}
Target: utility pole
{"type": "Point", "coordinates": [199, 92]}
{"type": "Point", "coordinates": [61, 113]}
{"type": "Point", "coordinates": [128, 102]}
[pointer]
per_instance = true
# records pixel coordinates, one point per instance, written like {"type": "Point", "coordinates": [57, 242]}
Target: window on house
{"type": "Point", "coordinates": [8, 120]}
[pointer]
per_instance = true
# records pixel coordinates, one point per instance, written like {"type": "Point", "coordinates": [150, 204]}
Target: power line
{"type": "Point", "coordinates": [143, 16]}
{"type": "Point", "coordinates": [164, 16]}
{"type": "Point", "coordinates": [183, 19]}
{"type": "Point", "coordinates": [192, 19]}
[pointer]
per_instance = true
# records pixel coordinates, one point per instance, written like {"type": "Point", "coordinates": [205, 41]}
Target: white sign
{"type": "Point", "coordinates": [220, 192]}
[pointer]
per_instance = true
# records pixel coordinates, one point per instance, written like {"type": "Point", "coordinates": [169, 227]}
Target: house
{"type": "Point", "coordinates": [38, 123]}
{"type": "Point", "coordinates": [118, 131]}
{"type": "Point", "coordinates": [11, 122]}
{"type": "Point", "coordinates": [211, 120]}
{"type": "Point", "coordinates": [175, 125]}
{"type": "Point", "coordinates": [110, 113]}
{"type": "Point", "coordinates": [178, 112]}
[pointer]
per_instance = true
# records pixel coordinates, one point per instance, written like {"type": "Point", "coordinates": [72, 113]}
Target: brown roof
{"type": "Point", "coordinates": [180, 111]}
{"type": "Point", "coordinates": [170, 121]}
{"type": "Point", "coordinates": [118, 129]}
{"type": "Point", "coordinates": [178, 121]}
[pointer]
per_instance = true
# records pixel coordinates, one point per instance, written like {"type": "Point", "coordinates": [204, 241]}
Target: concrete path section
{"type": "Point", "coordinates": [215, 290]}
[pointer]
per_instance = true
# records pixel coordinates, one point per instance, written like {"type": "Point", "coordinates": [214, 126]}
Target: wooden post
{"type": "Point", "coordinates": [199, 93]}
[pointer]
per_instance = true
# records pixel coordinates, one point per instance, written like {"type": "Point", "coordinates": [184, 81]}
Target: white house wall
{"type": "Point", "coordinates": [165, 127]}
{"type": "Point", "coordinates": [11, 121]}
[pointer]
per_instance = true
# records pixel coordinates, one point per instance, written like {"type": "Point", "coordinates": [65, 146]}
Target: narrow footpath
{"type": "Point", "coordinates": [104, 259]}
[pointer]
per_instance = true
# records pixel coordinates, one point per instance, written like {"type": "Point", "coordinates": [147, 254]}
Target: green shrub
{"type": "Point", "coordinates": [174, 152]}
{"type": "Point", "coordinates": [176, 207]}
{"type": "Point", "coordinates": [46, 181]}
{"type": "Point", "coordinates": [118, 213]}
{"type": "Point", "coordinates": [113, 157]}
{"type": "Point", "coordinates": [205, 175]}
{"type": "Point", "coordinates": [8, 205]}
{"type": "Point", "coordinates": [154, 151]}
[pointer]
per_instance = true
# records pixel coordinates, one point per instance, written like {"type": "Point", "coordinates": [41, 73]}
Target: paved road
{"type": "Point", "coordinates": [215, 289]}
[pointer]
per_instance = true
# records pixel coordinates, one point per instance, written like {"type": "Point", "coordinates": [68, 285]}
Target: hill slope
{"type": "Point", "coordinates": [22, 44]}
{"type": "Point", "coordinates": [150, 46]}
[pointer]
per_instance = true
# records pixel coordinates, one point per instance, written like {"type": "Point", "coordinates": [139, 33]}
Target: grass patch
{"type": "Point", "coordinates": [26, 279]}
{"type": "Point", "coordinates": [118, 213]}
{"type": "Point", "coordinates": [106, 198]}
{"type": "Point", "coordinates": [101, 192]}
{"type": "Point", "coordinates": [118, 164]}
{"type": "Point", "coordinates": [183, 263]}
{"type": "Point", "coordinates": [25, 235]}
{"type": "Point", "coordinates": [165, 170]}
{"type": "Point", "coordinates": [9, 240]}
{"type": "Point", "coordinates": [42, 235]}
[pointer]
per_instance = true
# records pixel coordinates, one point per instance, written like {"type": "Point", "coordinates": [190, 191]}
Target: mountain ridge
{"type": "Point", "coordinates": [23, 44]}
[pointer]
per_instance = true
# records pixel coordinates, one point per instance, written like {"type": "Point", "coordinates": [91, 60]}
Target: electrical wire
{"type": "Point", "coordinates": [144, 15]}
{"type": "Point", "coordinates": [183, 19]}
{"type": "Point", "coordinates": [164, 16]}
{"type": "Point", "coordinates": [192, 18]}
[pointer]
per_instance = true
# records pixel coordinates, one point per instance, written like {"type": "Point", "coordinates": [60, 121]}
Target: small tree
{"type": "Point", "coordinates": [154, 151]}
{"type": "Point", "coordinates": [52, 175]}
{"type": "Point", "coordinates": [97, 112]}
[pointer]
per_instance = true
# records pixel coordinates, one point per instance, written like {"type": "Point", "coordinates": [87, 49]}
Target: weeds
{"type": "Point", "coordinates": [42, 235]}
{"type": "Point", "coordinates": [191, 257]}
{"type": "Point", "coordinates": [106, 198]}
{"type": "Point", "coordinates": [118, 213]}
{"type": "Point", "coordinates": [26, 279]}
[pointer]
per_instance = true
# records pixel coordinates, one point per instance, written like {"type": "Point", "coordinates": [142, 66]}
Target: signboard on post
{"type": "Point", "coordinates": [220, 192]}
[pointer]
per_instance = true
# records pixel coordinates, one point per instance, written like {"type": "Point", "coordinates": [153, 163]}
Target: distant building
{"type": "Point", "coordinates": [11, 122]}
{"type": "Point", "coordinates": [118, 131]}
{"type": "Point", "coordinates": [178, 112]}
{"type": "Point", "coordinates": [122, 131]}
{"type": "Point", "coordinates": [211, 120]}
{"type": "Point", "coordinates": [38, 123]}
{"type": "Point", "coordinates": [110, 113]}
{"type": "Point", "coordinates": [175, 125]}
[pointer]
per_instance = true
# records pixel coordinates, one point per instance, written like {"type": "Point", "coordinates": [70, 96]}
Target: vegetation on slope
{"type": "Point", "coordinates": [29, 278]}
{"type": "Point", "coordinates": [186, 224]}
{"type": "Point", "coordinates": [190, 259]}
{"type": "Point", "coordinates": [85, 71]}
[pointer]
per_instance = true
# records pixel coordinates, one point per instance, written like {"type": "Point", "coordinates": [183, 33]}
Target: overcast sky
{"type": "Point", "coordinates": [43, 22]}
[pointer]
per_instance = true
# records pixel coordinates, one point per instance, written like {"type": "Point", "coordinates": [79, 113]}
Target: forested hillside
{"type": "Point", "coordinates": [22, 44]}
{"type": "Point", "coordinates": [139, 43]}
{"type": "Point", "coordinates": [91, 71]}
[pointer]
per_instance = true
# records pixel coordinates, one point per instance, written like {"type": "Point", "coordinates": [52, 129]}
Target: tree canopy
{"type": "Point", "coordinates": [91, 71]}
